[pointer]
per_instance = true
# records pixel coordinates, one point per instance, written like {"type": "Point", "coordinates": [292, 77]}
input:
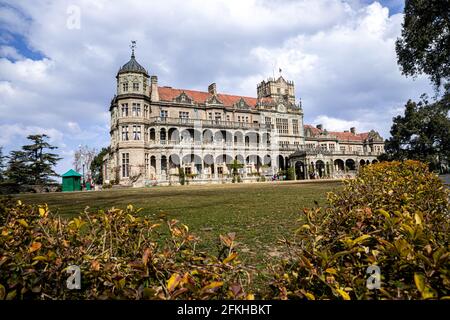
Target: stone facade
{"type": "Point", "coordinates": [157, 131]}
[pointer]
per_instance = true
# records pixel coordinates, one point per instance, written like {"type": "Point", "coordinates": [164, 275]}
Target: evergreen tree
{"type": "Point", "coordinates": [2, 165]}
{"type": "Point", "coordinates": [18, 171]}
{"type": "Point", "coordinates": [40, 162]}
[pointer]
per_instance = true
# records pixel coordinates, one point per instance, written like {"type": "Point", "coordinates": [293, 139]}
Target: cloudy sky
{"type": "Point", "coordinates": [57, 73]}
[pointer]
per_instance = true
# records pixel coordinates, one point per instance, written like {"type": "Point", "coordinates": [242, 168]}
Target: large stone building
{"type": "Point", "coordinates": [160, 133]}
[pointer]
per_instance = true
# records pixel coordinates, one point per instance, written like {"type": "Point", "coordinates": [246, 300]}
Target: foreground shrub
{"type": "Point", "coordinates": [393, 215]}
{"type": "Point", "coordinates": [120, 254]}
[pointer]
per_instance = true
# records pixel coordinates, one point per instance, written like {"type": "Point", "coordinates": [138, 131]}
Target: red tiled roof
{"type": "Point", "coordinates": [169, 94]}
{"type": "Point", "coordinates": [340, 135]}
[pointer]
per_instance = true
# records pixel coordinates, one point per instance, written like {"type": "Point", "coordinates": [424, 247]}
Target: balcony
{"type": "Point", "coordinates": [208, 123]}
{"type": "Point", "coordinates": [315, 151]}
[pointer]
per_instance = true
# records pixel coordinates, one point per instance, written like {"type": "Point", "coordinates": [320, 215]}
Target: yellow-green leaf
{"type": "Point", "coordinates": [343, 294]}
{"type": "Point", "coordinates": [419, 280]}
{"type": "Point", "coordinates": [361, 239]}
{"type": "Point", "coordinates": [2, 292]}
{"type": "Point", "coordinates": [418, 218]}
{"type": "Point", "coordinates": [309, 296]}
{"type": "Point", "coordinates": [384, 213]}
{"type": "Point", "coordinates": [41, 212]}
{"type": "Point", "coordinates": [173, 282]}
{"type": "Point", "coordinates": [40, 258]}
{"type": "Point", "coordinates": [23, 223]}
{"type": "Point", "coordinates": [331, 271]}
{"type": "Point", "coordinates": [11, 295]}
{"type": "Point", "coordinates": [231, 257]}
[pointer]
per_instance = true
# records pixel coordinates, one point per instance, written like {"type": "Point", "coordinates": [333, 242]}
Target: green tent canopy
{"type": "Point", "coordinates": [71, 181]}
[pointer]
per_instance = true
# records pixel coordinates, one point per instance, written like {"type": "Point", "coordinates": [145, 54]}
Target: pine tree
{"type": "Point", "coordinates": [2, 165]}
{"type": "Point", "coordinates": [17, 171]}
{"type": "Point", "coordinates": [40, 163]}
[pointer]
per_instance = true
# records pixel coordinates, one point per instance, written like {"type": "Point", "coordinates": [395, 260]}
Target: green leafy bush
{"type": "Point", "coordinates": [393, 215]}
{"type": "Point", "coordinates": [120, 254]}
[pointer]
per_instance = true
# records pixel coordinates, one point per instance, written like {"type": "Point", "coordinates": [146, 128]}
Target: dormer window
{"type": "Point", "coordinates": [125, 87]}
{"type": "Point", "coordinates": [135, 86]}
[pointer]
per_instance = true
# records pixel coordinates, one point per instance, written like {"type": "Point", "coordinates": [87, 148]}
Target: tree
{"type": "Point", "coordinates": [235, 166]}
{"type": "Point", "coordinates": [422, 133]}
{"type": "Point", "coordinates": [2, 165]}
{"type": "Point", "coordinates": [97, 165]}
{"type": "Point", "coordinates": [40, 163]}
{"type": "Point", "coordinates": [424, 46]}
{"type": "Point", "coordinates": [18, 170]}
{"type": "Point", "coordinates": [84, 155]}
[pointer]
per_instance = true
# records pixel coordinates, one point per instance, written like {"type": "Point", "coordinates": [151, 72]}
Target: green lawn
{"type": "Point", "coordinates": [259, 213]}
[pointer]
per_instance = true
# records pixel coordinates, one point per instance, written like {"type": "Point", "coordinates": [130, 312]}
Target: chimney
{"type": "Point", "coordinates": [353, 130]}
{"type": "Point", "coordinates": [319, 126]}
{"type": "Point", "coordinates": [154, 96]}
{"type": "Point", "coordinates": [212, 89]}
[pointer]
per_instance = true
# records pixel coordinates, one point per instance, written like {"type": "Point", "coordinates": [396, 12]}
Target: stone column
{"type": "Point", "coordinates": [306, 165]}
{"type": "Point", "coordinates": [158, 167]}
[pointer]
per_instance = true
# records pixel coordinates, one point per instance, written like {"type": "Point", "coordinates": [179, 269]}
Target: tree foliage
{"type": "Point", "coordinates": [33, 164]}
{"type": "Point", "coordinates": [82, 160]}
{"type": "Point", "coordinates": [422, 133]}
{"type": "Point", "coordinates": [40, 162]}
{"type": "Point", "coordinates": [97, 165]}
{"type": "Point", "coordinates": [424, 46]}
{"type": "Point", "coordinates": [2, 165]}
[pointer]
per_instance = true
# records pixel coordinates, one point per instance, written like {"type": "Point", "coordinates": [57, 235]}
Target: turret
{"type": "Point", "coordinates": [132, 78]}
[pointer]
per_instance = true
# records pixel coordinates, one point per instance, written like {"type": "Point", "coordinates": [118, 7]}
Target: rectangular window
{"type": "Point", "coordinates": [135, 86]}
{"type": "Point", "coordinates": [331, 146]}
{"type": "Point", "coordinates": [282, 126]}
{"type": "Point", "coordinates": [187, 170]}
{"type": "Point", "coordinates": [239, 118]}
{"type": "Point", "coordinates": [343, 149]}
{"type": "Point", "coordinates": [136, 132]}
{"type": "Point", "coordinates": [210, 115]}
{"type": "Point", "coordinates": [124, 109]}
{"type": "Point", "coordinates": [294, 126]}
{"type": "Point", "coordinates": [184, 115]}
{"type": "Point", "coordinates": [164, 114]}
{"type": "Point", "coordinates": [228, 117]}
{"type": "Point", "coordinates": [124, 133]}
{"type": "Point", "coordinates": [145, 134]}
{"type": "Point", "coordinates": [323, 146]}
{"type": "Point", "coordinates": [125, 87]}
{"type": "Point", "coordinates": [145, 111]}
{"type": "Point", "coordinates": [218, 116]}
{"type": "Point", "coordinates": [136, 109]}
{"type": "Point", "coordinates": [246, 119]}
{"type": "Point", "coordinates": [125, 165]}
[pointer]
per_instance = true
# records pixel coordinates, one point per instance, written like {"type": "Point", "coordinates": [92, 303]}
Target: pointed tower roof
{"type": "Point", "coordinates": [133, 65]}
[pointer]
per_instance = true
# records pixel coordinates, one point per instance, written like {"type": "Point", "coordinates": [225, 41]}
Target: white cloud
{"type": "Point", "coordinates": [10, 52]}
{"type": "Point", "coordinates": [339, 54]}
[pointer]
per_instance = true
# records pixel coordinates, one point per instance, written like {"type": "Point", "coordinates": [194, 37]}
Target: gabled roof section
{"type": "Point", "coordinates": [169, 94]}
{"type": "Point", "coordinates": [340, 135]}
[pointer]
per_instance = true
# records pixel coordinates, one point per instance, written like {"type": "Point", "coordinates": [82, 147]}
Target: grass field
{"type": "Point", "coordinates": [259, 213]}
